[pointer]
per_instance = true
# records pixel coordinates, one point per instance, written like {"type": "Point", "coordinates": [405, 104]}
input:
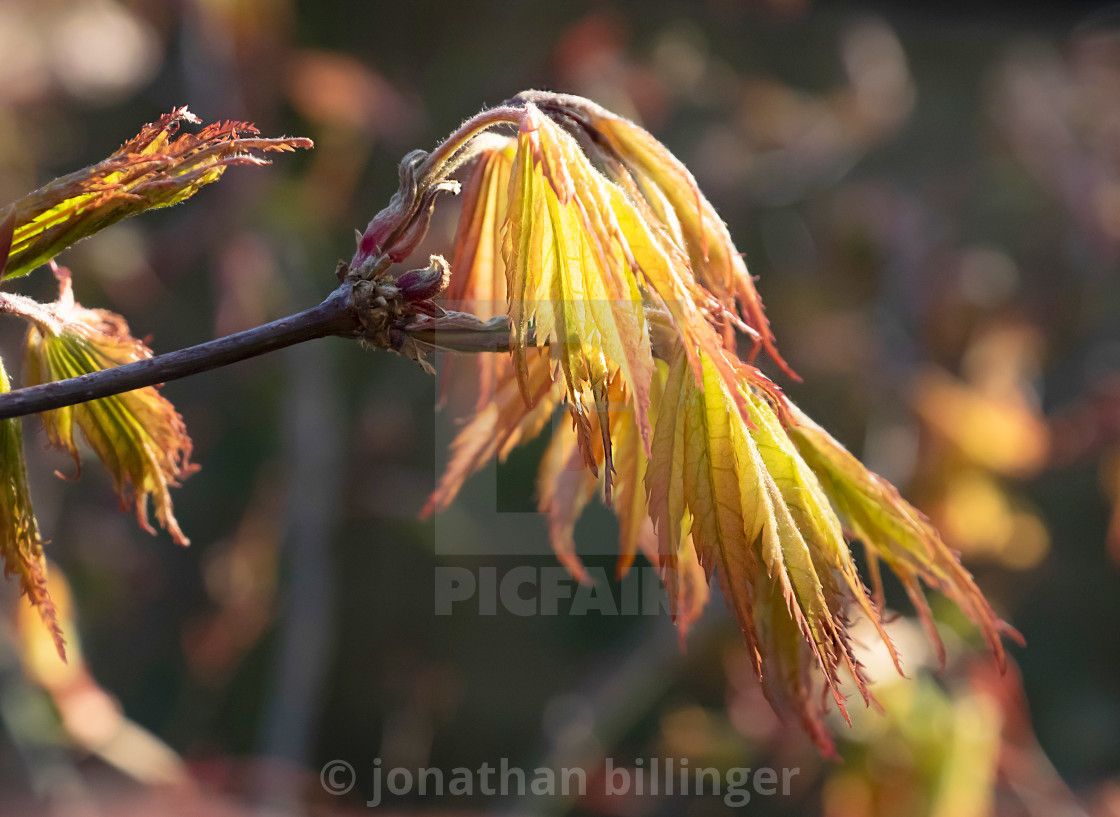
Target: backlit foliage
{"type": "Point", "coordinates": [138, 436]}
{"type": "Point", "coordinates": [19, 532]}
{"type": "Point", "coordinates": [612, 254]}
{"type": "Point", "coordinates": [626, 299]}
{"type": "Point", "coordinates": [156, 168]}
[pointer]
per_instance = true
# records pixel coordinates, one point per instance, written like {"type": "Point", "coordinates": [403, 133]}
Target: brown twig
{"type": "Point", "coordinates": [341, 314]}
{"type": "Point", "coordinates": [334, 316]}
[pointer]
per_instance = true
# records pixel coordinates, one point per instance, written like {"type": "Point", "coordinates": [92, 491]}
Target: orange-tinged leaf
{"type": "Point", "coordinates": [665, 473]}
{"type": "Point", "coordinates": [156, 168]}
{"type": "Point", "coordinates": [138, 435]}
{"type": "Point", "coordinates": [631, 462]}
{"type": "Point", "coordinates": [20, 543]}
{"type": "Point", "coordinates": [565, 487]}
{"type": "Point", "coordinates": [478, 280]}
{"type": "Point", "coordinates": [686, 584]}
{"type": "Point", "coordinates": [498, 428]}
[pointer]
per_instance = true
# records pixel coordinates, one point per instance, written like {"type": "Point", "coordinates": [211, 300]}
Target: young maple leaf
{"type": "Point", "coordinates": [762, 523]}
{"type": "Point", "coordinates": [156, 168]}
{"type": "Point", "coordinates": [138, 435]}
{"type": "Point", "coordinates": [667, 193]}
{"type": "Point", "coordinates": [20, 544]}
{"type": "Point", "coordinates": [734, 482]}
{"type": "Point", "coordinates": [507, 421]}
{"type": "Point", "coordinates": [895, 531]}
{"type": "Point", "coordinates": [568, 277]}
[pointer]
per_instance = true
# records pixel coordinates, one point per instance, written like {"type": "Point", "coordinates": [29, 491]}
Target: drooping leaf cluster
{"type": "Point", "coordinates": [624, 291]}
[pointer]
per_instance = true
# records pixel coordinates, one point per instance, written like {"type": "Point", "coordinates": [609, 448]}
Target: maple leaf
{"type": "Point", "coordinates": [20, 543]}
{"type": "Point", "coordinates": [761, 523]}
{"type": "Point", "coordinates": [896, 532]}
{"type": "Point", "coordinates": [568, 279]}
{"type": "Point", "coordinates": [668, 194]}
{"type": "Point", "coordinates": [715, 474]}
{"type": "Point", "coordinates": [156, 168]}
{"type": "Point", "coordinates": [138, 435]}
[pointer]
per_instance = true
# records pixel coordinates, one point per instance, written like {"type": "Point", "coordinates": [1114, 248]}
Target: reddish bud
{"type": "Point", "coordinates": [425, 284]}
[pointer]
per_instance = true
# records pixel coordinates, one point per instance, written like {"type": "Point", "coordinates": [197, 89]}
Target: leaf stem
{"type": "Point", "coordinates": [502, 115]}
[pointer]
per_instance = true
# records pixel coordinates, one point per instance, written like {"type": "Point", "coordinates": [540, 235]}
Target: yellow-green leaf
{"type": "Point", "coordinates": [156, 168]}
{"type": "Point", "coordinates": [760, 521]}
{"type": "Point", "coordinates": [568, 279]}
{"type": "Point", "coordinates": [138, 435]}
{"type": "Point", "coordinates": [895, 531]}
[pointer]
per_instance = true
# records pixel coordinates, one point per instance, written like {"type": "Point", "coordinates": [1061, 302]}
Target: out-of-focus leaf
{"type": "Point", "coordinates": [339, 91]}
{"type": "Point", "coordinates": [1000, 434]}
{"type": "Point", "coordinates": [138, 435]}
{"type": "Point", "coordinates": [947, 764]}
{"type": "Point", "coordinates": [92, 718]}
{"type": "Point", "coordinates": [19, 532]}
{"type": "Point", "coordinates": [979, 515]}
{"type": "Point", "coordinates": [156, 168]}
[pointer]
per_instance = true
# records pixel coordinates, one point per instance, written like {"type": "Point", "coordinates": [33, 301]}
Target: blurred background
{"type": "Point", "coordinates": [930, 197]}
